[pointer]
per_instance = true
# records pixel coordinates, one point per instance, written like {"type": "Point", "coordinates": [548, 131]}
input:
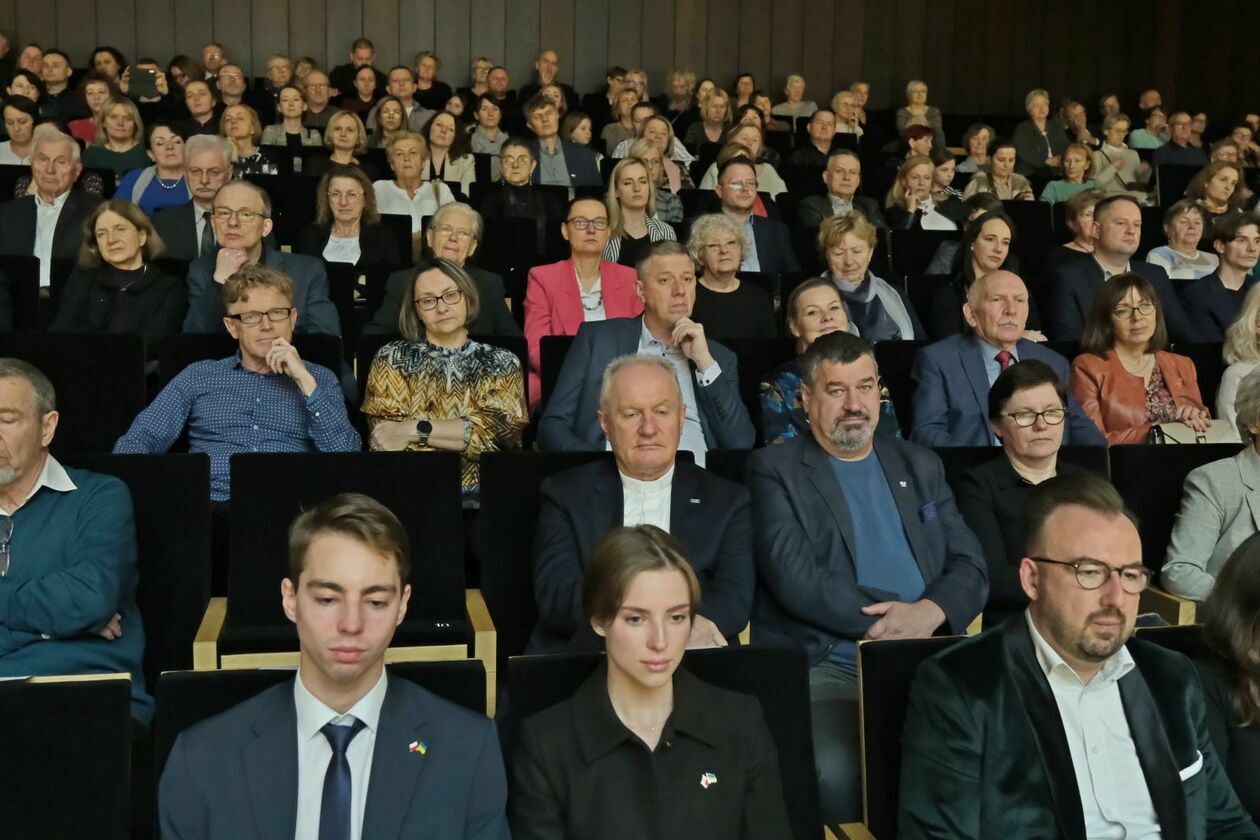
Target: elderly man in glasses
{"type": "Point", "coordinates": [1105, 733]}
{"type": "Point", "coordinates": [265, 398]}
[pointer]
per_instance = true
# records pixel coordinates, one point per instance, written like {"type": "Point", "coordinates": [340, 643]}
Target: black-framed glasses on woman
{"type": "Point", "coordinates": [1026, 418]}
{"type": "Point", "coordinates": [580, 223]}
{"type": "Point", "coordinates": [1124, 311]}
{"type": "Point", "coordinates": [280, 313]}
{"type": "Point", "coordinates": [450, 298]}
{"type": "Point", "coordinates": [1094, 574]}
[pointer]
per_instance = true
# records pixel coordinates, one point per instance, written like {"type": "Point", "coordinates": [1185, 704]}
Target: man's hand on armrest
{"type": "Point", "coordinates": [899, 620]}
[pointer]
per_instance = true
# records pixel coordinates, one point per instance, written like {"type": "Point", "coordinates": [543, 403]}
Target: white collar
{"type": "Point", "coordinates": [1119, 664]}
{"type": "Point", "coordinates": [53, 476]}
{"type": "Point", "coordinates": [646, 339]}
{"type": "Point", "coordinates": [313, 713]}
{"type": "Point", "coordinates": [656, 485]}
{"type": "Point", "coordinates": [57, 202]}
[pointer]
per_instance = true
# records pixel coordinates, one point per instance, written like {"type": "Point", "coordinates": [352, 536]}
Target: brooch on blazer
{"type": "Point", "coordinates": [707, 779]}
{"type": "Point", "coordinates": [418, 747]}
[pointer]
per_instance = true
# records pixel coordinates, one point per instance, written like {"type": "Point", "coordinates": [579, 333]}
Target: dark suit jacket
{"type": "Point", "coordinates": [377, 244]}
{"type": "Point", "coordinates": [316, 313]}
{"type": "Point", "coordinates": [493, 319]}
{"type": "Point", "coordinates": [809, 594]}
{"type": "Point", "coordinates": [17, 224]}
{"type": "Point", "coordinates": [949, 413]}
{"type": "Point", "coordinates": [583, 167]}
{"type": "Point", "coordinates": [814, 208]}
{"type": "Point", "coordinates": [1074, 284]}
{"type": "Point", "coordinates": [1211, 307]}
{"type": "Point", "coordinates": [570, 422]}
{"type": "Point", "coordinates": [774, 246]}
{"type": "Point", "coordinates": [709, 515]}
{"type": "Point", "coordinates": [235, 775]}
{"type": "Point", "coordinates": [152, 307]}
{"type": "Point", "coordinates": [984, 754]}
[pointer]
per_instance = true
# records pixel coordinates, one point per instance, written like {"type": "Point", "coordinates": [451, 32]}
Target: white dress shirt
{"type": "Point", "coordinates": [391, 198]}
{"type": "Point", "coordinates": [46, 216]}
{"type": "Point", "coordinates": [314, 753]}
{"type": "Point", "coordinates": [647, 502]}
{"type": "Point", "coordinates": [342, 249]}
{"type": "Point", "coordinates": [693, 433]}
{"type": "Point", "coordinates": [1114, 796]}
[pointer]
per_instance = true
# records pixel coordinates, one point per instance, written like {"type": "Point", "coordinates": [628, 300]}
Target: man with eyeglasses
{"type": "Point", "coordinates": [771, 251]}
{"type": "Point", "coordinates": [560, 162]}
{"type": "Point", "coordinates": [318, 96]}
{"type": "Point", "coordinates": [231, 85]}
{"type": "Point", "coordinates": [187, 230]}
{"type": "Point", "coordinates": [265, 398]}
{"type": "Point", "coordinates": [517, 198]}
{"type": "Point", "coordinates": [67, 552]}
{"type": "Point", "coordinates": [1060, 723]}
{"type": "Point", "coordinates": [1178, 151]}
{"type": "Point", "coordinates": [952, 377]}
{"type": "Point", "coordinates": [454, 234]}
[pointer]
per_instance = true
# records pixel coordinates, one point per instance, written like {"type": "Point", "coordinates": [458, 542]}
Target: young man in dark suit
{"type": "Point", "coordinates": [772, 244]}
{"type": "Point", "coordinates": [342, 750]}
{"type": "Point", "coordinates": [642, 414]}
{"type": "Point", "coordinates": [1105, 733]}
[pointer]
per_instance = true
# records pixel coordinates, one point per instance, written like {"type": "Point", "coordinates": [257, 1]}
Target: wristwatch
{"type": "Point", "coordinates": [425, 428]}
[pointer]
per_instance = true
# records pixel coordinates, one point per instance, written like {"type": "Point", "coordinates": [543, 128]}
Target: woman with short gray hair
{"type": "Point", "coordinates": [727, 306]}
{"type": "Point", "coordinates": [1039, 143]}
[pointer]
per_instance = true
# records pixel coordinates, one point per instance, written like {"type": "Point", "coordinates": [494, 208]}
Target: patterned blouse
{"type": "Point", "coordinates": [1160, 406]}
{"type": "Point", "coordinates": [476, 382]}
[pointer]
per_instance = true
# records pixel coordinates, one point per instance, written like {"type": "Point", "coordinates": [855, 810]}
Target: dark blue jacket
{"type": "Point", "coordinates": [1211, 307]}
{"type": "Point", "coordinates": [1074, 284]}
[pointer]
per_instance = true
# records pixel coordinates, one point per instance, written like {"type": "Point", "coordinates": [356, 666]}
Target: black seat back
{"type": "Point", "coordinates": [895, 360]}
{"type": "Point", "coordinates": [22, 274]}
{"type": "Point", "coordinates": [551, 351]}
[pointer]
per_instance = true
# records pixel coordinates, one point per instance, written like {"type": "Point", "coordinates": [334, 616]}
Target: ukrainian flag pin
{"type": "Point", "coordinates": [418, 747]}
{"type": "Point", "coordinates": [708, 779]}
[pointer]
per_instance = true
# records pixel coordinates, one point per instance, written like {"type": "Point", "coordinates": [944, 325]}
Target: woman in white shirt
{"type": "Point", "coordinates": [347, 227]}
{"type": "Point", "coordinates": [1241, 353]}
{"type": "Point", "coordinates": [409, 194]}
{"type": "Point", "coordinates": [1181, 257]}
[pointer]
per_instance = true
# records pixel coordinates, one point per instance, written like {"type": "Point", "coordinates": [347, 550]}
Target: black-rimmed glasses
{"type": "Point", "coordinates": [1024, 419]}
{"type": "Point", "coordinates": [276, 315]}
{"type": "Point", "coordinates": [1094, 574]}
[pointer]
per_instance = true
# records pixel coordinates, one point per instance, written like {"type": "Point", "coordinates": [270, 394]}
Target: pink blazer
{"type": "Point", "coordinates": [553, 306]}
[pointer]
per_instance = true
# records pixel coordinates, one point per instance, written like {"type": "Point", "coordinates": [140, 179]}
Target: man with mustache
{"type": "Point", "coordinates": [1060, 724]}
{"type": "Point", "coordinates": [857, 537]}
{"type": "Point", "coordinates": [952, 377]}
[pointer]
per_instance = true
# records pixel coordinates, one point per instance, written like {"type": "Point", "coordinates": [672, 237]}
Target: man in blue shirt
{"type": "Point", "coordinates": [857, 537]}
{"type": "Point", "coordinates": [67, 552]}
{"type": "Point", "coordinates": [263, 399]}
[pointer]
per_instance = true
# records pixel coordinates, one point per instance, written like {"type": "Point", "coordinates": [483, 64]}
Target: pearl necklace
{"type": "Point", "coordinates": [163, 185]}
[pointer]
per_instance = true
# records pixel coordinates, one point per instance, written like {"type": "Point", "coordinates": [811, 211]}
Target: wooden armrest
{"type": "Point", "coordinates": [485, 641]}
{"type": "Point", "coordinates": [1172, 608]}
{"type": "Point", "coordinates": [206, 642]}
{"type": "Point", "coordinates": [745, 635]}
{"type": "Point", "coordinates": [76, 678]}
{"type": "Point", "coordinates": [856, 831]}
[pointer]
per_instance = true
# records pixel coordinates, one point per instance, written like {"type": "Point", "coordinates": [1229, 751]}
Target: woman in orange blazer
{"type": "Point", "coordinates": [1124, 379]}
{"type": "Point", "coordinates": [562, 296]}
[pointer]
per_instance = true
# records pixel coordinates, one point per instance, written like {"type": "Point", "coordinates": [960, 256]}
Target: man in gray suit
{"type": "Point", "coordinates": [857, 537]}
{"type": "Point", "coordinates": [707, 372]}
{"type": "Point", "coordinates": [342, 750]}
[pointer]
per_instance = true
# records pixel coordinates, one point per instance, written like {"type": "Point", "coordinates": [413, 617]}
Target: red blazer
{"type": "Point", "coordinates": [1116, 399]}
{"type": "Point", "coordinates": [553, 306]}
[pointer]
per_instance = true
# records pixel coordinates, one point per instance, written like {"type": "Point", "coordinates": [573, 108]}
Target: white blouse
{"type": "Point", "coordinates": [391, 198]}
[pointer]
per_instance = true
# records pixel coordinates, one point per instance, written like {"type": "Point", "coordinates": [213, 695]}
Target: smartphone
{"type": "Point", "coordinates": [143, 84]}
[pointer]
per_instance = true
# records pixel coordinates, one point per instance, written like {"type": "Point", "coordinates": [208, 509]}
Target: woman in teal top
{"type": "Point", "coordinates": [1078, 165]}
{"type": "Point", "coordinates": [119, 143]}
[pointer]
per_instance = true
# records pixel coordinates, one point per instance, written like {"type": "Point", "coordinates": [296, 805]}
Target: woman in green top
{"type": "Point", "coordinates": [1078, 165]}
{"type": "Point", "coordinates": [119, 139]}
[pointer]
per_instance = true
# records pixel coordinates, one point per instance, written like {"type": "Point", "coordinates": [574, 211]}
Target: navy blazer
{"type": "Point", "coordinates": [947, 412]}
{"type": "Point", "coordinates": [1211, 307]}
{"type": "Point", "coordinates": [774, 246]}
{"type": "Point", "coordinates": [581, 161]}
{"type": "Point", "coordinates": [709, 515]}
{"type": "Point", "coordinates": [236, 774]}
{"type": "Point", "coordinates": [809, 594]}
{"type": "Point", "coordinates": [570, 422]}
{"type": "Point", "coordinates": [316, 312]}
{"type": "Point", "coordinates": [18, 222]}
{"type": "Point", "coordinates": [1074, 284]}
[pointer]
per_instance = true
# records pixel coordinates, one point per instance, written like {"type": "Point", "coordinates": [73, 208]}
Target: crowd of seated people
{"type": "Point", "coordinates": [666, 238]}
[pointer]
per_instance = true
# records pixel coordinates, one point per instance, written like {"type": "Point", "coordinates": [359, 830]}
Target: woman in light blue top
{"type": "Point", "coordinates": [1181, 257]}
{"type": "Point", "coordinates": [1078, 165]}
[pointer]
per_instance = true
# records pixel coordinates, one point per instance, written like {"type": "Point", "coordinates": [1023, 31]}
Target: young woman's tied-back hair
{"type": "Point", "coordinates": [622, 555]}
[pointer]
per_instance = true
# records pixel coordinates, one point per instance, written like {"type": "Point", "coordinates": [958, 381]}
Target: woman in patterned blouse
{"type": "Point", "coordinates": [436, 389]}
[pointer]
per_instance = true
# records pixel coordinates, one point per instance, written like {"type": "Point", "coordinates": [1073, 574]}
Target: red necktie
{"type": "Point", "coordinates": [1004, 358]}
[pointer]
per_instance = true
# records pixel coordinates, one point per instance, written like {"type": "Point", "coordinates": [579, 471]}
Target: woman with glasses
{"type": "Point", "coordinates": [1027, 407]}
{"type": "Point", "coordinates": [727, 306]}
{"type": "Point", "coordinates": [1124, 379]}
{"type": "Point", "coordinates": [562, 296]}
{"type": "Point", "coordinates": [518, 198]}
{"type": "Point", "coordinates": [347, 226]}
{"type": "Point", "coordinates": [632, 222]}
{"type": "Point", "coordinates": [436, 389]}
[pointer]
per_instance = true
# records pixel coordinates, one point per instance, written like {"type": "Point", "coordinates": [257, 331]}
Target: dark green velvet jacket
{"type": "Point", "coordinates": [984, 754]}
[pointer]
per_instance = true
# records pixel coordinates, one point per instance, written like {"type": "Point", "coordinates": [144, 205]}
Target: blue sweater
{"type": "Point", "coordinates": [74, 566]}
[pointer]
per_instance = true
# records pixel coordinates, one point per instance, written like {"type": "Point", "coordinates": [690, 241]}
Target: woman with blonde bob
{"type": "Point", "coordinates": [715, 116]}
{"type": "Point", "coordinates": [878, 310]}
{"type": "Point", "coordinates": [632, 222]}
{"type": "Point", "coordinates": [640, 597]}
{"type": "Point", "coordinates": [119, 141]}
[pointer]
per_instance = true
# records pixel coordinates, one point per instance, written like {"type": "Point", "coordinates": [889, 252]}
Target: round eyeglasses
{"type": "Point", "coordinates": [1094, 574]}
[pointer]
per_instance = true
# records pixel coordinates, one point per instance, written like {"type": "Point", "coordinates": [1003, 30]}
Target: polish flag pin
{"type": "Point", "coordinates": [708, 779]}
{"type": "Point", "coordinates": [418, 747]}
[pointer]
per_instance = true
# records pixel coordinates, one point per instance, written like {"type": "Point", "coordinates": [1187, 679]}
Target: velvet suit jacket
{"type": "Point", "coordinates": [1211, 307]}
{"type": "Point", "coordinates": [17, 224]}
{"type": "Point", "coordinates": [985, 755]}
{"type": "Point", "coordinates": [553, 306]}
{"type": "Point", "coordinates": [1072, 290]}
{"type": "Point", "coordinates": [1116, 399]}
{"type": "Point", "coordinates": [178, 228]}
{"type": "Point", "coordinates": [809, 594]}
{"type": "Point", "coordinates": [951, 394]}
{"type": "Point", "coordinates": [236, 774]}
{"type": "Point", "coordinates": [710, 516]}
{"type": "Point", "coordinates": [570, 422]}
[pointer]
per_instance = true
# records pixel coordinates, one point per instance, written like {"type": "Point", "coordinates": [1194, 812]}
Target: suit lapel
{"type": "Point", "coordinates": [570, 310]}
{"type": "Point", "coordinates": [901, 486]}
{"type": "Point", "coordinates": [1249, 472]}
{"type": "Point", "coordinates": [66, 220]}
{"type": "Point", "coordinates": [971, 355]}
{"type": "Point", "coordinates": [686, 505]}
{"type": "Point", "coordinates": [609, 502]}
{"type": "Point", "coordinates": [1155, 755]}
{"type": "Point", "coordinates": [1046, 726]}
{"type": "Point", "coordinates": [396, 770]}
{"type": "Point", "coordinates": [824, 480]}
{"type": "Point", "coordinates": [270, 761]}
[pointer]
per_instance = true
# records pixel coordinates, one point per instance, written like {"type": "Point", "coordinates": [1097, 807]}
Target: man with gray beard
{"type": "Point", "coordinates": [857, 537]}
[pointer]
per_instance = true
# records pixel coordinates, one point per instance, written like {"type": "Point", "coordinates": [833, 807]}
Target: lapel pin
{"type": "Point", "coordinates": [708, 779]}
{"type": "Point", "coordinates": [695, 501]}
{"type": "Point", "coordinates": [418, 747]}
{"type": "Point", "coordinates": [902, 483]}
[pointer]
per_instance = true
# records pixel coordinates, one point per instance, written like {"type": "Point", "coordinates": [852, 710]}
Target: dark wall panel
{"type": "Point", "coordinates": [657, 32]}
{"type": "Point", "coordinates": [522, 40]}
{"type": "Point", "coordinates": [194, 26]}
{"type": "Point", "coordinates": [452, 36]}
{"type": "Point", "coordinates": [847, 43]}
{"type": "Point", "coordinates": [308, 29]}
{"type": "Point", "coordinates": [76, 29]}
{"type": "Point", "coordinates": [625, 35]}
{"type": "Point", "coordinates": [754, 39]}
{"type": "Point", "coordinates": [722, 62]}
{"type": "Point", "coordinates": [817, 48]}
{"type": "Point", "coordinates": [232, 30]}
{"type": "Point", "coordinates": [270, 33]}
{"type": "Point", "coordinates": [590, 39]}
{"type": "Point", "coordinates": [488, 37]}
{"type": "Point", "coordinates": [380, 23]}
{"type": "Point", "coordinates": [691, 35]}
{"type": "Point", "coordinates": [155, 27]}
{"type": "Point", "coordinates": [344, 24]}
{"type": "Point", "coordinates": [555, 30]}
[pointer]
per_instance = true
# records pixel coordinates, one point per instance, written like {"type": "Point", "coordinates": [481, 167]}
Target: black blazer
{"type": "Point", "coordinates": [493, 319]}
{"type": "Point", "coordinates": [17, 224]}
{"type": "Point", "coordinates": [178, 228]}
{"type": "Point", "coordinates": [985, 756]}
{"type": "Point", "coordinates": [813, 209]}
{"type": "Point", "coordinates": [153, 306]}
{"type": "Point", "coordinates": [577, 771]}
{"type": "Point", "coordinates": [709, 515]}
{"type": "Point", "coordinates": [1211, 307]}
{"type": "Point", "coordinates": [1072, 289]}
{"type": "Point", "coordinates": [377, 243]}
{"type": "Point", "coordinates": [774, 246]}
{"type": "Point", "coordinates": [901, 219]}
